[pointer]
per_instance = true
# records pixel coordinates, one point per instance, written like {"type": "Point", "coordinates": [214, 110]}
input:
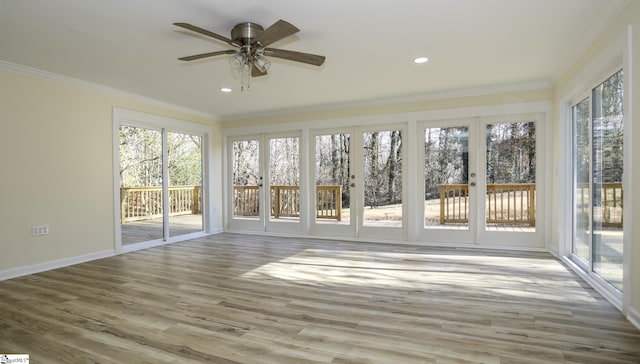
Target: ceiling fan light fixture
{"type": "Point", "coordinates": [262, 63]}
{"type": "Point", "coordinates": [238, 60]}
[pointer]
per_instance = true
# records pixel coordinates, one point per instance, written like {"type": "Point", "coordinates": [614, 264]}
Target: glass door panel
{"type": "Point", "coordinates": [510, 200]}
{"type": "Point", "coordinates": [382, 178]}
{"type": "Point", "coordinates": [141, 199]}
{"type": "Point", "coordinates": [333, 179]}
{"type": "Point", "coordinates": [184, 160]}
{"type": "Point", "coordinates": [246, 179]}
{"type": "Point", "coordinates": [607, 169]}
{"type": "Point", "coordinates": [448, 181]}
{"type": "Point", "coordinates": [446, 178]}
{"type": "Point", "coordinates": [598, 133]}
{"type": "Point", "coordinates": [582, 185]}
{"type": "Point", "coordinates": [284, 179]}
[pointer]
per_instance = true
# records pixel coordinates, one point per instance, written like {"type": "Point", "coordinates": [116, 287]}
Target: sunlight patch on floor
{"type": "Point", "coordinates": [501, 276]}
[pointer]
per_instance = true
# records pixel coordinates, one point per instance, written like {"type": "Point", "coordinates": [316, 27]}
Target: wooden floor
{"type": "Point", "coordinates": [251, 299]}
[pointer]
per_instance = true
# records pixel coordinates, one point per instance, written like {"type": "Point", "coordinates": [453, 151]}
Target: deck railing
{"type": "Point", "coordinates": [454, 203]}
{"type": "Point", "coordinates": [610, 212]}
{"type": "Point", "coordinates": [514, 204]}
{"type": "Point", "coordinates": [142, 203]}
{"type": "Point", "coordinates": [329, 202]}
{"type": "Point", "coordinates": [285, 201]}
{"type": "Point", "coordinates": [509, 204]}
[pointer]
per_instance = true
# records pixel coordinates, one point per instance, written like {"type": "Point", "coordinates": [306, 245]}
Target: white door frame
{"type": "Point", "coordinates": [125, 117]}
{"type": "Point", "coordinates": [445, 234]}
{"type": "Point", "coordinates": [477, 234]}
{"type": "Point", "coordinates": [357, 228]}
{"type": "Point", "coordinates": [263, 223]}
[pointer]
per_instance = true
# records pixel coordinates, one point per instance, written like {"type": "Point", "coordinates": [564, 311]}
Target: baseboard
{"type": "Point", "coordinates": [54, 264]}
{"type": "Point", "coordinates": [634, 317]}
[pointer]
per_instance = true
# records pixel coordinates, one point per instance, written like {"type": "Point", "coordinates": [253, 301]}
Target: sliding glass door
{"type": "Point", "coordinates": [598, 132]}
{"type": "Point", "coordinates": [159, 177]}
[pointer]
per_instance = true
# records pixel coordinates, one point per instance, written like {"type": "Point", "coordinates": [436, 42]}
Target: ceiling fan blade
{"type": "Point", "coordinates": [204, 32]}
{"type": "Point", "coordinates": [308, 58]}
{"type": "Point", "coordinates": [279, 30]}
{"type": "Point", "coordinates": [205, 55]}
{"type": "Point", "coordinates": [255, 71]}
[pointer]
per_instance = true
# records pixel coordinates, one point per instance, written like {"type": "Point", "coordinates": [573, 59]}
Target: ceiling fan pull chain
{"type": "Point", "coordinates": [249, 66]}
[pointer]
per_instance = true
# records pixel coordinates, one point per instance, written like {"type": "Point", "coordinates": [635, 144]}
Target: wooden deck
{"type": "Point", "coordinates": [254, 299]}
{"type": "Point", "coordinates": [151, 229]}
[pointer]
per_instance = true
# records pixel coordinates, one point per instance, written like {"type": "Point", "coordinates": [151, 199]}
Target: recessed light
{"type": "Point", "coordinates": [225, 89]}
{"type": "Point", "coordinates": [420, 60]}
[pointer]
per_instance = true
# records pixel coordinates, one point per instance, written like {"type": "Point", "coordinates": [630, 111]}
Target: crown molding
{"type": "Point", "coordinates": [398, 100]}
{"type": "Point", "coordinates": [54, 77]}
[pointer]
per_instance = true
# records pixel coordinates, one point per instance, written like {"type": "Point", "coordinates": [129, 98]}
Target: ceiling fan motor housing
{"type": "Point", "coordinates": [244, 33]}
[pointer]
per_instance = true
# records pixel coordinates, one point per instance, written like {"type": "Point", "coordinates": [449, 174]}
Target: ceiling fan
{"type": "Point", "coordinates": [253, 41]}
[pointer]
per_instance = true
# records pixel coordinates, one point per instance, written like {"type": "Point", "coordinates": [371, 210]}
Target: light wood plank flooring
{"type": "Point", "coordinates": [251, 299]}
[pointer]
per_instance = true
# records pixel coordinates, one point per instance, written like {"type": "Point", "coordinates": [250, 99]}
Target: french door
{"type": "Point", "coordinates": [264, 183]}
{"type": "Point", "coordinates": [479, 181]}
{"type": "Point", "coordinates": [359, 189]}
{"type": "Point", "coordinates": [448, 167]}
{"type": "Point", "coordinates": [159, 179]}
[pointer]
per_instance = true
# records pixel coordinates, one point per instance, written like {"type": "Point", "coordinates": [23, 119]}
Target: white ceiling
{"type": "Point", "coordinates": [131, 45]}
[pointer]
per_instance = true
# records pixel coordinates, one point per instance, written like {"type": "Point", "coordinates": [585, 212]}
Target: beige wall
{"type": "Point", "coordinates": [56, 148]}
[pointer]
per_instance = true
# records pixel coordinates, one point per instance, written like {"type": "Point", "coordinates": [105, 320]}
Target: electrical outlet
{"type": "Point", "coordinates": [40, 230]}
